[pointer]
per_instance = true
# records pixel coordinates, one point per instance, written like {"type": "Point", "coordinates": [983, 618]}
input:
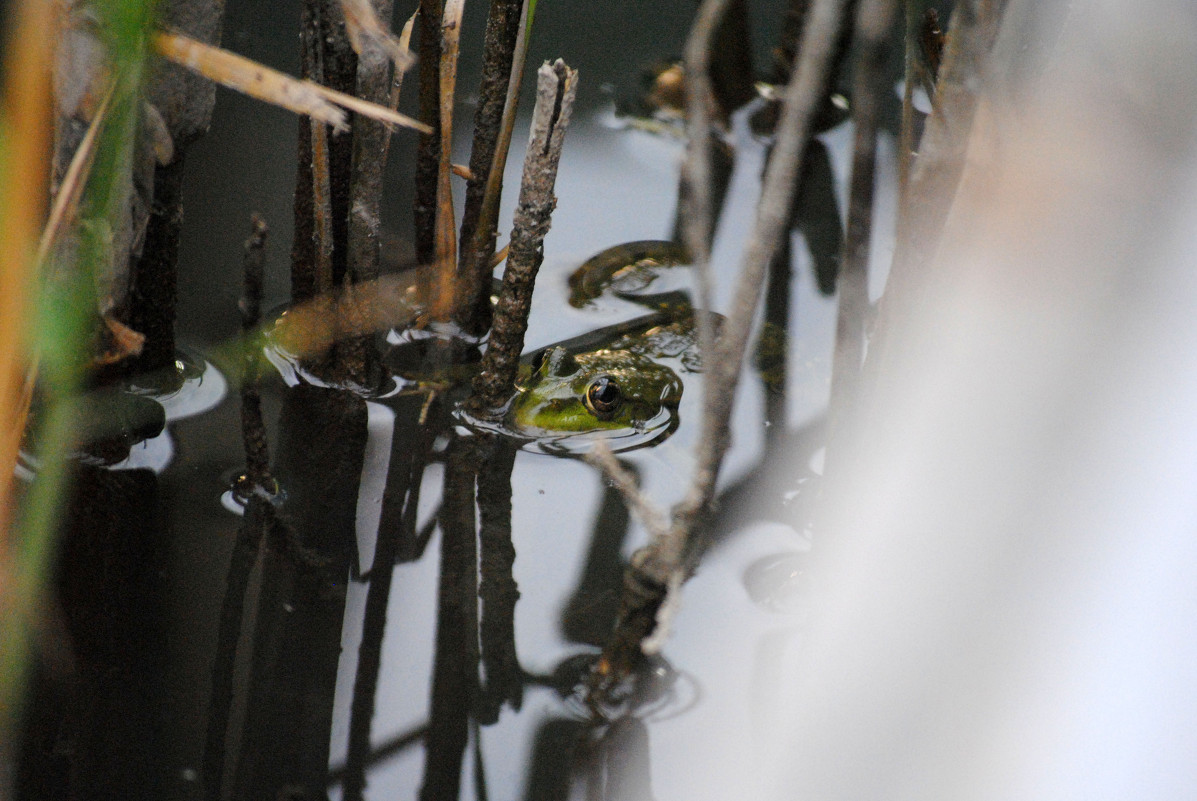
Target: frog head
{"type": "Point", "coordinates": [606, 390]}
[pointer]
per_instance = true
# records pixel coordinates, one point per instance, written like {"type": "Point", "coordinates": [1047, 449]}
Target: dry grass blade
{"type": "Point", "coordinates": [66, 202]}
{"type": "Point", "coordinates": [446, 228]}
{"type": "Point", "coordinates": [271, 86]}
{"type": "Point", "coordinates": [404, 42]}
{"type": "Point", "coordinates": [367, 109]}
{"type": "Point", "coordinates": [366, 30]}
{"type": "Point", "coordinates": [249, 77]}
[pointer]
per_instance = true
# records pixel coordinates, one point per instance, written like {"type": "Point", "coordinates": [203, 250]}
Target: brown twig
{"type": "Point", "coordinates": [502, 33]}
{"type": "Point", "coordinates": [488, 215]}
{"type": "Point", "coordinates": [556, 87]}
{"type": "Point", "coordinates": [445, 227]}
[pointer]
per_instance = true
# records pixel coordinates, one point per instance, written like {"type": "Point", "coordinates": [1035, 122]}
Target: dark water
{"type": "Point", "coordinates": [338, 653]}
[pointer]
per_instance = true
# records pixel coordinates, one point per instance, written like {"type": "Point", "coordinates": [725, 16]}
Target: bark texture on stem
{"type": "Point", "coordinates": [429, 148]}
{"type": "Point", "coordinates": [556, 89]}
{"type": "Point", "coordinates": [474, 270]}
{"type": "Point", "coordinates": [370, 140]}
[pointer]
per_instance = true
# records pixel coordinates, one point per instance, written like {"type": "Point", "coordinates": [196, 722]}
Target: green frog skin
{"type": "Point", "coordinates": [602, 390]}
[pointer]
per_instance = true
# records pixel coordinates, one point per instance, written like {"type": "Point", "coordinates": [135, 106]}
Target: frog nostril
{"type": "Point", "coordinates": [603, 397]}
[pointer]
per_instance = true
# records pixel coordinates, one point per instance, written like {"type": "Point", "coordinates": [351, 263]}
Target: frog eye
{"type": "Point", "coordinates": [603, 397]}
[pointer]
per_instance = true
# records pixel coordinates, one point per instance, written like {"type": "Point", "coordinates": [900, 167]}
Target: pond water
{"type": "Point", "coordinates": [242, 675]}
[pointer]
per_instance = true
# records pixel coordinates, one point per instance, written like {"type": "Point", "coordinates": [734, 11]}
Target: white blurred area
{"type": "Point", "coordinates": [1004, 583]}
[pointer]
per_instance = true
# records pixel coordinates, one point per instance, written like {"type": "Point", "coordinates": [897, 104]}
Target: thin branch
{"type": "Point", "coordinates": [657, 570]}
{"type": "Point", "coordinates": [697, 212]}
{"type": "Point", "coordinates": [625, 483]}
{"type": "Point", "coordinates": [801, 100]}
{"type": "Point", "coordinates": [555, 92]}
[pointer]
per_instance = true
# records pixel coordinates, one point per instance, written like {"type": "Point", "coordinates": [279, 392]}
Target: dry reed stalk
{"type": "Point", "coordinates": [271, 86]}
{"type": "Point", "coordinates": [446, 227]}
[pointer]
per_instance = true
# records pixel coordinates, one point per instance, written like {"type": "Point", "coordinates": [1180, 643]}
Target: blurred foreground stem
{"type": "Point", "coordinates": [52, 315]}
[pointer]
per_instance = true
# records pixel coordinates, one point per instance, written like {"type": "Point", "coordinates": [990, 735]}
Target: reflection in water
{"type": "Point", "coordinates": [98, 689]}
{"type": "Point", "coordinates": [595, 762]}
{"type": "Point", "coordinates": [301, 601]}
{"type": "Point", "coordinates": [411, 444]}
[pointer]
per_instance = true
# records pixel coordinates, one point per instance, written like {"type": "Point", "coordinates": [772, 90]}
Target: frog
{"type": "Point", "coordinates": [613, 392]}
{"type": "Point", "coordinates": [620, 382]}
